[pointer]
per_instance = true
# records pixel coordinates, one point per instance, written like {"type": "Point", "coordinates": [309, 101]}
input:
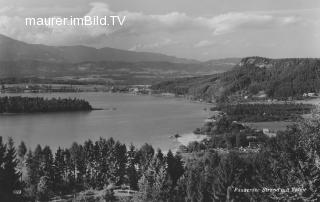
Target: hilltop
{"type": "Point", "coordinates": [254, 77]}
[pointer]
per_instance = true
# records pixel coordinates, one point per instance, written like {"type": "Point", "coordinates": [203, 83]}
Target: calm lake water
{"type": "Point", "coordinates": [136, 119]}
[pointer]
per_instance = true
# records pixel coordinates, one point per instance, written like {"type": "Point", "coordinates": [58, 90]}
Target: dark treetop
{"type": "Point", "coordinates": [18, 104]}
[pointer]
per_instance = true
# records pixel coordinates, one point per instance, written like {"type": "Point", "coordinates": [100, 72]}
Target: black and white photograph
{"type": "Point", "coordinates": [159, 101]}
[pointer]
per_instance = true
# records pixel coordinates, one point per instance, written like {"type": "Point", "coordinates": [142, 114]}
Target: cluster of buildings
{"type": "Point", "coordinates": [140, 89]}
{"type": "Point", "coordinates": [132, 89]}
{"type": "Point", "coordinates": [309, 95]}
{"type": "Point", "coordinates": [254, 144]}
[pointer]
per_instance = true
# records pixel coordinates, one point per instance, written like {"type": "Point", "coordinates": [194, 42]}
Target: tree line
{"type": "Point", "coordinates": [18, 104]}
{"type": "Point", "coordinates": [40, 174]}
{"type": "Point", "coordinates": [264, 112]}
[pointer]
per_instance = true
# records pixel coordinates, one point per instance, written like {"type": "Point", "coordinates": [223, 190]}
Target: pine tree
{"type": "Point", "coordinates": [159, 155]}
{"type": "Point", "coordinates": [104, 168]}
{"type": "Point", "coordinates": [31, 181]}
{"type": "Point", "coordinates": [161, 187]}
{"type": "Point", "coordinates": [89, 163]}
{"type": "Point", "coordinates": [175, 167]}
{"type": "Point", "coordinates": [78, 159]}
{"type": "Point", "coordinates": [22, 150]}
{"type": "Point", "coordinates": [46, 167]}
{"type": "Point", "coordinates": [36, 161]}
{"type": "Point", "coordinates": [230, 174]}
{"type": "Point", "coordinates": [144, 189]}
{"type": "Point", "coordinates": [120, 151]}
{"type": "Point", "coordinates": [3, 149]}
{"type": "Point", "coordinates": [131, 169]}
{"type": "Point", "coordinates": [81, 165]}
{"type": "Point", "coordinates": [34, 172]}
{"type": "Point", "coordinates": [47, 162]}
{"type": "Point", "coordinates": [59, 172]}
{"type": "Point", "coordinates": [155, 184]}
{"type": "Point", "coordinates": [11, 176]}
{"type": "Point", "coordinates": [69, 171]}
{"type": "Point", "coordinates": [145, 155]}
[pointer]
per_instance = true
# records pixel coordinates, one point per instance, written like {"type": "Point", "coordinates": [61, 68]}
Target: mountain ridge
{"type": "Point", "coordinates": [276, 78]}
{"type": "Point", "coordinates": [12, 49]}
{"type": "Point", "coordinates": [20, 59]}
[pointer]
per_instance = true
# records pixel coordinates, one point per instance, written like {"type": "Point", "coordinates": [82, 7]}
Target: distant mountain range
{"type": "Point", "coordinates": [14, 50]}
{"type": "Point", "coordinates": [20, 59]}
{"type": "Point", "coordinates": [220, 79]}
{"type": "Point", "coordinates": [253, 76]}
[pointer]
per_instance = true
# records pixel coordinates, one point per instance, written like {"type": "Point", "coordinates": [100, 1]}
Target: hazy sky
{"type": "Point", "coordinates": [203, 29]}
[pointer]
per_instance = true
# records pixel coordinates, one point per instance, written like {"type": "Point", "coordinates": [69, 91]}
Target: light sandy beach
{"type": "Point", "coordinates": [185, 139]}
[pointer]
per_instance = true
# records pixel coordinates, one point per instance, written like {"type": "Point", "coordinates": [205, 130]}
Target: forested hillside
{"type": "Point", "coordinates": [277, 78]}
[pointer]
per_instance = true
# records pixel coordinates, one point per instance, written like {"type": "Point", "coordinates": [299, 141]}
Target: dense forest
{"type": "Point", "coordinates": [18, 104]}
{"type": "Point", "coordinates": [265, 112]}
{"type": "Point", "coordinates": [41, 174]}
{"type": "Point", "coordinates": [277, 78]}
{"type": "Point", "coordinates": [195, 86]}
{"type": "Point", "coordinates": [283, 168]}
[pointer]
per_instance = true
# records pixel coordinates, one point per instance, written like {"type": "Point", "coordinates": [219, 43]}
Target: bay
{"type": "Point", "coordinates": [127, 118]}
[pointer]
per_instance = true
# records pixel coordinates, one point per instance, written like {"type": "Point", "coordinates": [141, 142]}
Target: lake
{"type": "Point", "coordinates": [127, 118]}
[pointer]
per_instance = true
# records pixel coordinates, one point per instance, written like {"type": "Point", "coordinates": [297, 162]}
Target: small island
{"type": "Point", "coordinates": [18, 104]}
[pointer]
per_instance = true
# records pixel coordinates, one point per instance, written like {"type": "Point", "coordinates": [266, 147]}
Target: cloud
{"type": "Point", "coordinates": [210, 44]}
{"type": "Point", "coordinates": [138, 24]}
{"type": "Point", "coordinates": [230, 22]}
{"type": "Point", "coordinates": [151, 46]}
{"type": "Point", "coordinates": [5, 9]}
{"type": "Point", "coordinates": [174, 33]}
{"type": "Point", "coordinates": [203, 43]}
